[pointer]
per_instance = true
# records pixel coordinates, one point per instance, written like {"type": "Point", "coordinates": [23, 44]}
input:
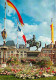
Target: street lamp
{"type": "Point", "coordinates": [4, 36]}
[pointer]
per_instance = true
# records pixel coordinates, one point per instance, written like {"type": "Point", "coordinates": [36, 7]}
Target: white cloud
{"type": "Point", "coordinates": [38, 9]}
{"type": "Point", "coordinates": [42, 32]}
{"type": "Point", "coordinates": [29, 28]}
{"type": "Point", "coordinates": [10, 11]}
{"type": "Point", "coordinates": [1, 42]}
{"type": "Point", "coordinates": [43, 29]}
{"type": "Point", "coordinates": [1, 39]}
{"type": "Point", "coordinates": [0, 27]}
{"type": "Point", "coordinates": [11, 30]}
{"type": "Point", "coordinates": [9, 23]}
{"type": "Point", "coordinates": [44, 39]}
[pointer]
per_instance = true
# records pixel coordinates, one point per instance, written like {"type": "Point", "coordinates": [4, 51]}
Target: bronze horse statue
{"type": "Point", "coordinates": [32, 42]}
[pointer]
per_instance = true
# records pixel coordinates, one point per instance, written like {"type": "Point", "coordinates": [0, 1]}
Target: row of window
{"type": "Point", "coordinates": [23, 52]}
{"type": "Point", "coordinates": [9, 52]}
{"type": "Point", "coordinates": [18, 52]}
{"type": "Point", "coordinates": [9, 56]}
{"type": "Point", "coordinates": [50, 51]}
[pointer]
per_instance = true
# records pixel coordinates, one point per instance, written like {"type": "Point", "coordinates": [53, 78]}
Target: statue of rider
{"type": "Point", "coordinates": [34, 38]}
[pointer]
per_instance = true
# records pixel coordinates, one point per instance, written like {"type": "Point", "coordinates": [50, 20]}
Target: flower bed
{"type": "Point", "coordinates": [28, 72]}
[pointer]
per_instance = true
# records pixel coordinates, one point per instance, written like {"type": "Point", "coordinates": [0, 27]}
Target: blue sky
{"type": "Point", "coordinates": [36, 15]}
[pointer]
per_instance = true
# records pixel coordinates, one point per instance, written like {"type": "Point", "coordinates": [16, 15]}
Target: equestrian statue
{"type": "Point", "coordinates": [32, 42]}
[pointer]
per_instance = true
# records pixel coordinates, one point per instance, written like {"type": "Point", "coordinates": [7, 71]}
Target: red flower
{"type": "Point", "coordinates": [55, 72]}
{"type": "Point", "coordinates": [52, 71]}
{"type": "Point", "coordinates": [12, 69]}
{"type": "Point", "coordinates": [32, 71]}
{"type": "Point", "coordinates": [18, 69]}
{"type": "Point", "coordinates": [15, 71]}
{"type": "Point", "coordinates": [41, 68]}
{"type": "Point", "coordinates": [40, 73]}
{"type": "Point", "coordinates": [48, 68]}
{"type": "Point", "coordinates": [47, 71]}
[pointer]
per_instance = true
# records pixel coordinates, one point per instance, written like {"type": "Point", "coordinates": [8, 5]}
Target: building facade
{"type": "Point", "coordinates": [22, 51]}
{"type": "Point", "coordinates": [10, 50]}
{"type": "Point", "coordinates": [49, 50]}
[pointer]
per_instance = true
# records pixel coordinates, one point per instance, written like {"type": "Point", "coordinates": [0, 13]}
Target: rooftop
{"type": "Point", "coordinates": [9, 43]}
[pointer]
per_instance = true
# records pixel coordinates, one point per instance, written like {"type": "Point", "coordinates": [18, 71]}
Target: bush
{"type": "Point", "coordinates": [32, 61]}
{"type": "Point", "coordinates": [23, 61]}
{"type": "Point", "coordinates": [1, 70]}
{"type": "Point", "coordinates": [44, 62]}
{"type": "Point", "coordinates": [41, 63]}
{"type": "Point", "coordinates": [48, 63]}
{"type": "Point", "coordinates": [7, 69]}
{"type": "Point", "coordinates": [13, 61]}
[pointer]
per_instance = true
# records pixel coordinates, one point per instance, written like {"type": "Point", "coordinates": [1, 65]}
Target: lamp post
{"type": "Point", "coordinates": [4, 36]}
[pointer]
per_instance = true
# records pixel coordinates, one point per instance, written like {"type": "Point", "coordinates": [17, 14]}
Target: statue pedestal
{"type": "Point", "coordinates": [4, 64]}
{"type": "Point", "coordinates": [4, 48]}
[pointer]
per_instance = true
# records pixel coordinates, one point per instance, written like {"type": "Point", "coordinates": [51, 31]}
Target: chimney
{"type": "Point", "coordinates": [55, 43]}
{"type": "Point", "coordinates": [45, 45]}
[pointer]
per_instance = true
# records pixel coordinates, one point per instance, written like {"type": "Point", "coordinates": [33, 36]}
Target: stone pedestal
{"type": "Point", "coordinates": [4, 48]}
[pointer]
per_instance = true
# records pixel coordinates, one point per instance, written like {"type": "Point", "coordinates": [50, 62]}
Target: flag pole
{"type": "Point", "coordinates": [17, 34]}
{"type": "Point", "coordinates": [51, 43]}
{"type": "Point", "coordinates": [4, 36]}
{"type": "Point", "coordinates": [5, 16]}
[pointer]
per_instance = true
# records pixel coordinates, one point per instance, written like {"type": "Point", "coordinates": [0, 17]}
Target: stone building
{"type": "Point", "coordinates": [49, 50]}
{"type": "Point", "coordinates": [22, 51]}
{"type": "Point", "coordinates": [10, 50]}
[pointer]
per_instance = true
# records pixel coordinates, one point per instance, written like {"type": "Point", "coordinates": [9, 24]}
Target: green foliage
{"type": "Point", "coordinates": [1, 70]}
{"type": "Point", "coordinates": [13, 61]}
{"type": "Point", "coordinates": [44, 62]}
{"type": "Point", "coordinates": [48, 63]}
{"type": "Point", "coordinates": [41, 63]}
{"type": "Point", "coordinates": [10, 77]}
{"type": "Point", "coordinates": [7, 69]}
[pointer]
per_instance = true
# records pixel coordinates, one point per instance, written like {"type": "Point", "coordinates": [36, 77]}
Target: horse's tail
{"type": "Point", "coordinates": [40, 44]}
